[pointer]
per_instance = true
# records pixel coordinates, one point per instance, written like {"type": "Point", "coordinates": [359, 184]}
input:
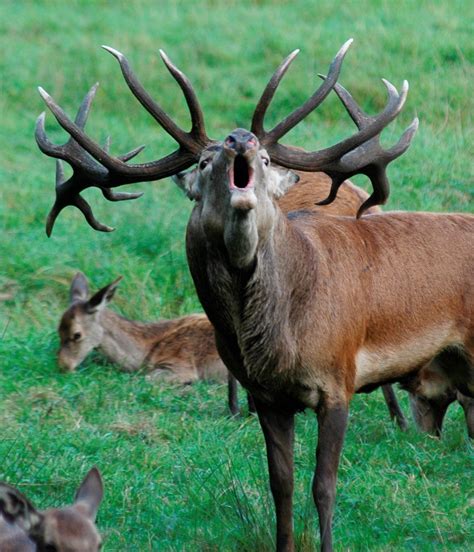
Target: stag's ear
{"type": "Point", "coordinates": [16, 508]}
{"type": "Point", "coordinates": [189, 183]}
{"type": "Point", "coordinates": [79, 290]}
{"type": "Point", "coordinates": [100, 299]}
{"type": "Point", "coordinates": [90, 493]}
{"type": "Point", "coordinates": [280, 180]}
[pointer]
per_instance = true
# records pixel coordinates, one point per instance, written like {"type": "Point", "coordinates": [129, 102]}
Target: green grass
{"type": "Point", "coordinates": [179, 474]}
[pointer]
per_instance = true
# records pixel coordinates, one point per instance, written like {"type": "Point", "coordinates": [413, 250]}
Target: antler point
{"type": "Point", "coordinates": [43, 93]}
{"type": "Point", "coordinates": [346, 46]}
{"type": "Point", "coordinates": [164, 57]}
{"type": "Point", "coordinates": [113, 51]}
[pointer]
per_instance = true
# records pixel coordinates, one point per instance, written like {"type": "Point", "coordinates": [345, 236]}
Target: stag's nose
{"type": "Point", "coordinates": [241, 141]}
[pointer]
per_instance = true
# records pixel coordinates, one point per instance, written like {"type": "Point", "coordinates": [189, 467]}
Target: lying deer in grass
{"type": "Point", "coordinates": [179, 351]}
{"type": "Point", "coordinates": [308, 309]}
{"type": "Point", "coordinates": [23, 528]}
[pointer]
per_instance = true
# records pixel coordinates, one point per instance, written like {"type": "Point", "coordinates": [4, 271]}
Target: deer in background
{"type": "Point", "coordinates": [23, 528]}
{"type": "Point", "coordinates": [430, 396]}
{"type": "Point", "coordinates": [308, 309]}
{"type": "Point", "coordinates": [179, 351]}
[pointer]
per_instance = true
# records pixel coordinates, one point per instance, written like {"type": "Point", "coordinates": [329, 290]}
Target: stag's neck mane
{"type": "Point", "coordinates": [257, 305]}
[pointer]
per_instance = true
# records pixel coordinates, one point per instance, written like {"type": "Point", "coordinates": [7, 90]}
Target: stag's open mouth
{"type": "Point", "coordinates": [240, 174]}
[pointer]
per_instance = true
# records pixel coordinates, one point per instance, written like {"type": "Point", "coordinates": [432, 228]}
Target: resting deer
{"type": "Point", "coordinates": [23, 528]}
{"type": "Point", "coordinates": [308, 309]}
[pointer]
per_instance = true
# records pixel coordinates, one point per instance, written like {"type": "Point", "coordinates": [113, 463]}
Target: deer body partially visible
{"type": "Point", "coordinates": [23, 528]}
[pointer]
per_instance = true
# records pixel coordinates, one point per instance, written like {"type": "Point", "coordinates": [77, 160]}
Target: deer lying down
{"type": "Point", "coordinates": [308, 309]}
{"type": "Point", "coordinates": [23, 528]}
{"type": "Point", "coordinates": [180, 350]}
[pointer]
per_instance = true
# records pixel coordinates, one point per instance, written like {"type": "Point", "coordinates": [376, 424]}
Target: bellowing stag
{"type": "Point", "coordinates": [308, 309]}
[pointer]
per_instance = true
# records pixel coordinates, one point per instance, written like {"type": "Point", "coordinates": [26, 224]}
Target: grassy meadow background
{"type": "Point", "coordinates": [179, 473]}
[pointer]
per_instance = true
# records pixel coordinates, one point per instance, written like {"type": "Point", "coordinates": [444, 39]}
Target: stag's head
{"type": "Point", "coordinates": [69, 529]}
{"type": "Point", "coordinates": [236, 180]}
{"type": "Point", "coordinates": [234, 185]}
{"type": "Point", "coordinates": [80, 329]}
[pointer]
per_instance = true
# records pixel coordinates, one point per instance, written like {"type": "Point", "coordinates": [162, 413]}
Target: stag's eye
{"type": "Point", "coordinates": [77, 336]}
{"type": "Point", "coordinates": [266, 161]}
{"type": "Point", "coordinates": [203, 164]}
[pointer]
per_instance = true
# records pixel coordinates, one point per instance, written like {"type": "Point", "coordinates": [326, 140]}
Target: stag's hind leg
{"type": "Point", "coordinates": [332, 423]}
{"type": "Point", "coordinates": [278, 430]}
{"type": "Point", "coordinates": [394, 407]}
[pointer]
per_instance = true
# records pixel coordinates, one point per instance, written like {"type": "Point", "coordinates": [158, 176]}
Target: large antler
{"type": "Point", "coordinates": [94, 166]}
{"type": "Point", "coordinates": [361, 153]}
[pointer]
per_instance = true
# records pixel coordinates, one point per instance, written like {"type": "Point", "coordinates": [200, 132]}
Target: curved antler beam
{"type": "Point", "coordinates": [94, 166]}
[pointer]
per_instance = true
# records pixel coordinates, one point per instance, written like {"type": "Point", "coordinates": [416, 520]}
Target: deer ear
{"type": "Point", "coordinates": [281, 180]}
{"type": "Point", "coordinates": [100, 299]}
{"type": "Point", "coordinates": [90, 493]}
{"type": "Point", "coordinates": [17, 509]}
{"type": "Point", "coordinates": [188, 182]}
{"type": "Point", "coordinates": [79, 290]}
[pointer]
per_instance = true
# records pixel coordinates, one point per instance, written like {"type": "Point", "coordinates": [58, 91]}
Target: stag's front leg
{"type": "Point", "coordinates": [278, 429]}
{"type": "Point", "coordinates": [332, 423]}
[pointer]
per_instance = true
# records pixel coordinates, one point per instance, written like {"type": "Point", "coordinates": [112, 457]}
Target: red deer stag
{"type": "Point", "coordinates": [23, 528]}
{"type": "Point", "coordinates": [308, 309]}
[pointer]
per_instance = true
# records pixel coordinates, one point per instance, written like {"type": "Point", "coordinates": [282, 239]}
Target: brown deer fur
{"type": "Point", "coordinates": [23, 528]}
{"type": "Point", "coordinates": [310, 308]}
{"type": "Point", "coordinates": [307, 308]}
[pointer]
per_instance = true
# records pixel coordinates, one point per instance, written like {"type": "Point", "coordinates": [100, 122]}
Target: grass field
{"type": "Point", "coordinates": [179, 473]}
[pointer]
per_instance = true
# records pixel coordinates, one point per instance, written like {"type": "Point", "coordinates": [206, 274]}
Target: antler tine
{"type": "Point", "coordinates": [59, 173]}
{"type": "Point", "coordinates": [125, 156]}
{"type": "Point", "coordinates": [377, 175]}
{"type": "Point", "coordinates": [282, 128]}
{"type": "Point", "coordinates": [119, 196]}
{"type": "Point", "coordinates": [85, 107]}
{"type": "Point", "coordinates": [131, 154]}
{"type": "Point", "coordinates": [44, 143]}
{"type": "Point", "coordinates": [355, 112]}
{"type": "Point", "coordinates": [183, 138]}
{"type": "Point", "coordinates": [369, 158]}
{"type": "Point", "coordinates": [63, 199]}
{"type": "Point", "coordinates": [268, 93]}
{"type": "Point", "coordinates": [195, 111]}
